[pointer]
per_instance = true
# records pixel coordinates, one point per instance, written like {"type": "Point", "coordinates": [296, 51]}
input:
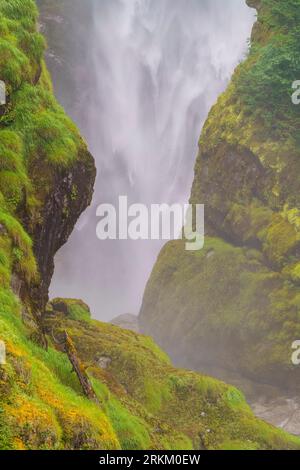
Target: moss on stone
{"type": "Point", "coordinates": [235, 305]}
{"type": "Point", "coordinates": [151, 404]}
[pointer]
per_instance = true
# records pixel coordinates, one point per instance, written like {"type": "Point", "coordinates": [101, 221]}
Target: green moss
{"type": "Point", "coordinates": [74, 309]}
{"type": "Point", "coordinates": [223, 303]}
{"type": "Point", "coordinates": [238, 445]}
{"type": "Point", "coordinates": [150, 403]}
{"type": "Point", "coordinates": [25, 262]}
{"type": "Point", "coordinates": [45, 78]}
{"type": "Point", "coordinates": [281, 238]}
{"type": "Point", "coordinates": [23, 11]}
{"type": "Point", "coordinates": [37, 139]}
{"type": "Point", "coordinates": [132, 431]}
{"type": "Point", "coordinates": [235, 398]}
{"type": "Point", "coordinates": [6, 442]}
{"type": "Point", "coordinates": [44, 404]}
{"type": "Point", "coordinates": [74, 193]}
{"type": "Point", "coordinates": [234, 306]}
{"type": "Point", "coordinates": [11, 151]}
{"type": "Point", "coordinates": [14, 65]}
{"type": "Point", "coordinates": [46, 131]}
{"type": "Point", "coordinates": [293, 273]}
{"type": "Point", "coordinates": [265, 80]}
{"type": "Point", "coordinates": [44, 407]}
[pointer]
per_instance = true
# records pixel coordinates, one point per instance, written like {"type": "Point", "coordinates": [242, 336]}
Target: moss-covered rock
{"type": "Point", "coordinates": [235, 305]}
{"type": "Point", "coordinates": [143, 401]}
{"type": "Point", "coordinates": [46, 171]}
{"type": "Point", "coordinates": [151, 404]}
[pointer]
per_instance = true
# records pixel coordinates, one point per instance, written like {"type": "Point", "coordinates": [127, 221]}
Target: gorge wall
{"type": "Point", "coordinates": [233, 308]}
{"type": "Point", "coordinates": [47, 173]}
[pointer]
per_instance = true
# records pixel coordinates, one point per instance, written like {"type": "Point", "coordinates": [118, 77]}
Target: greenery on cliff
{"type": "Point", "coordinates": [46, 179]}
{"type": "Point", "coordinates": [265, 82]}
{"type": "Point", "coordinates": [41, 155]}
{"type": "Point", "coordinates": [235, 306]}
{"type": "Point", "coordinates": [35, 135]}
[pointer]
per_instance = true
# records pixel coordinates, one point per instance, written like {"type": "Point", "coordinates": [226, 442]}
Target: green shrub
{"type": "Point", "coordinates": [265, 80]}
{"type": "Point", "coordinates": [14, 65]}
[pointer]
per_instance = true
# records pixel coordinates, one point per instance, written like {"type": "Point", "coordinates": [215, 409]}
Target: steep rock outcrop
{"type": "Point", "coordinates": [235, 306]}
{"type": "Point", "coordinates": [46, 173]}
{"type": "Point", "coordinates": [69, 192]}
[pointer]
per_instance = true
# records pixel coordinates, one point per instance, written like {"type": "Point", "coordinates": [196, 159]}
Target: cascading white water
{"type": "Point", "coordinates": [152, 70]}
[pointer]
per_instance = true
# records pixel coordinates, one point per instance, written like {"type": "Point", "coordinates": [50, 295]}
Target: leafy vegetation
{"type": "Point", "coordinates": [265, 81]}
{"type": "Point", "coordinates": [37, 139]}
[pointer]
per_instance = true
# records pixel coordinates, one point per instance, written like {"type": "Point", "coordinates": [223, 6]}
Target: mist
{"type": "Point", "coordinates": [139, 78]}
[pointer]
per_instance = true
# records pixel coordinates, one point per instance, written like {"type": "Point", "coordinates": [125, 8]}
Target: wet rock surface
{"type": "Point", "coordinates": [283, 412]}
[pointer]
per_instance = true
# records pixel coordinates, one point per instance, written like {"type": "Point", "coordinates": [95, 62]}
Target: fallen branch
{"type": "Point", "coordinates": [78, 367]}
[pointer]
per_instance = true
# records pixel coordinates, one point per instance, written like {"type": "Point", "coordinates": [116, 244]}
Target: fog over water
{"type": "Point", "coordinates": [148, 72]}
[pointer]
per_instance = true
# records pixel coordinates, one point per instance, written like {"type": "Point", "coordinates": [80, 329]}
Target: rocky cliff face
{"type": "Point", "coordinates": [47, 173]}
{"type": "Point", "coordinates": [234, 306]}
{"type": "Point", "coordinates": [69, 192]}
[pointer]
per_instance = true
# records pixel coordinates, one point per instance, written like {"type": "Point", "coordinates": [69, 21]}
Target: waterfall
{"type": "Point", "coordinates": [143, 76]}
